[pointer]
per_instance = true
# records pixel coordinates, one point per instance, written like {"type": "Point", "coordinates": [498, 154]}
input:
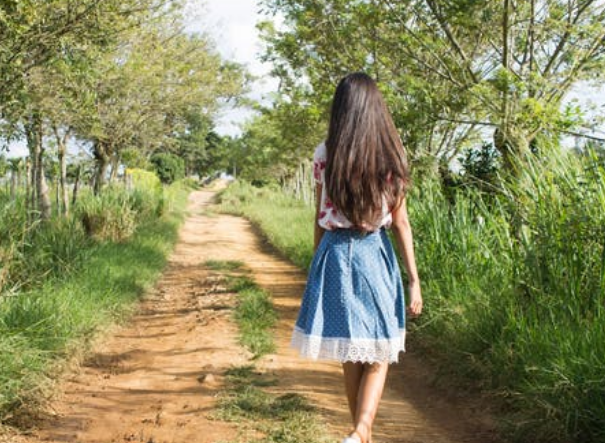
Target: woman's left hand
{"type": "Point", "coordinates": [415, 307]}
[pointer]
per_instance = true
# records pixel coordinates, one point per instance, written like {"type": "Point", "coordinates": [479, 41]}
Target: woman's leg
{"type": "Point", "coordinates": [352, 372]}
{"type": "Point", "coordinates": [364, 383]}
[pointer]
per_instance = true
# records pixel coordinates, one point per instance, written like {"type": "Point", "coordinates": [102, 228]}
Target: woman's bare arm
{"type": "Point", "coordinates": [405, 244]}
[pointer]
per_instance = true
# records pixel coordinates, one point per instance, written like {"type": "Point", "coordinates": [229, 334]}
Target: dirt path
{"type": "Point", "coordinates": [156, 380]}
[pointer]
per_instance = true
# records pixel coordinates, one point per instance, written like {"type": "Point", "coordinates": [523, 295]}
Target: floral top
{"type": "Point", "coordinates": [329, 217]}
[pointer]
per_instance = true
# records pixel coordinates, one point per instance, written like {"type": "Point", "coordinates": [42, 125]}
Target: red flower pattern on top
{"type": "Point", "coordinates": [318, 168]}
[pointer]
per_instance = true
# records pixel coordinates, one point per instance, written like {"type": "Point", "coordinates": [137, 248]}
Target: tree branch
{"type": "Point", "coordinates": [565, 38]}
{"type": "Point", "coordinates": [452, 39]}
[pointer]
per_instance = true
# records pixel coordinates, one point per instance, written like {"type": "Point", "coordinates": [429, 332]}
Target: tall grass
{"type": "Point", "coordinates": [81, 286]}
{"type": "Point", "coordinates": [514, 287]}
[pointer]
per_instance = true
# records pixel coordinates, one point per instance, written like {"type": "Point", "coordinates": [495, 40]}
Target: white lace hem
{"type": "Point", "coordinates": [345, 349]}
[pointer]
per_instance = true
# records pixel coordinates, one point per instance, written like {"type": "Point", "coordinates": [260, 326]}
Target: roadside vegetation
{"type": "Point", "coordinates": [115, 103]}
{"type": "Point", "coordinates": [509, 222]}
{"type": "Point", "coordinates": [513, 281]}
{"type": "Point", "coordinates": [508, 197]}
{"type": "Point", "coordinates": [62, 285]}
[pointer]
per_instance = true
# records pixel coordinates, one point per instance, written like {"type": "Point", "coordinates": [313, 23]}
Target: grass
{"type": "Point", "coordinates": [286, 418]}
{"type": "Point", "coordinates": [56, 318]}
{"type": "Point", "coordinates": [271, 211]}
{"type": "Point", "coordinates": [255, 317]}
{"type": "Point", "coordinates": [254, 312]}
{"type": "Point", "coordinates": [514, 285]}
{"type": "Point", "coordinates": [227, 265]}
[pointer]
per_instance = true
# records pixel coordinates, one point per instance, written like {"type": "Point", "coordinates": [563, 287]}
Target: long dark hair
{"type": "Point", "coordinates": [366, 162]}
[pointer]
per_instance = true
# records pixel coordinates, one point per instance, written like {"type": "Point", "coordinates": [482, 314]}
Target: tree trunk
{"type": "Point", "coordinates": [63, 184]}
{"type": "Point", "coordinates": [33, 147]}
{"type": "Point", "coordinates": [115, 166]}
{"type": "Point", "coordinates": [102, 167]}
{"type": "Point", "coordinates": [62, 154]}
{"type": "Point", "coordinates": [58, 204]}
{"type": "Point", "coordinates": [76, 186]}
{"type": "Point", "coordinates": [101, 154]}
{"type": "Point", "coordinates": [513, 145]}
{"type": "Point", "coordinates": [28, 185]}
{"type": "Point", "coordinates": [43, 191]}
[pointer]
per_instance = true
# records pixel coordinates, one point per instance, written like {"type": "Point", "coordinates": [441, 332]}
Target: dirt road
{"type": "Point", "coordinates": [156, 379]}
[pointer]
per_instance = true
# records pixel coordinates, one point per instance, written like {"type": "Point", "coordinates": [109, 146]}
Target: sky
{"type": "Point", "coordinates": [232, 25]}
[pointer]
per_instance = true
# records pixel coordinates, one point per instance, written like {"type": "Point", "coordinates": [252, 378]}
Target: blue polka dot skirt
{"type": "Point", "coordinates": [353, 308]}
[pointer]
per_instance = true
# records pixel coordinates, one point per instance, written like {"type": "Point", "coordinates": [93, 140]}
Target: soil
{"type": "Point", "coordinates": [156, 379]}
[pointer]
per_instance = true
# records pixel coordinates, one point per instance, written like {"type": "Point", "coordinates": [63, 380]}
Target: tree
{"type": "Point", "coordinates": [168, 167]}
{"type": "Point", "coordinates": [147, 89]}
{"type": "Point", "coordinates": [448, 68]}
{"type": "Point", "coordinates": [37, 40]}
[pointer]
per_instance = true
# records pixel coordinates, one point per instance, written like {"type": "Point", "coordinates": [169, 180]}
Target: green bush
{"type": "Point", "coordinates": [109, 216]}
{"type": "Point", "coordinates": [169, 167]}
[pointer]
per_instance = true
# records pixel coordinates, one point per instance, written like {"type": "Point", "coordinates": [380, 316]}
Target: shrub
{"type": "Point", "coordinates": [109, 216]}
{"type": "Point", "coordinates": [169, 167]}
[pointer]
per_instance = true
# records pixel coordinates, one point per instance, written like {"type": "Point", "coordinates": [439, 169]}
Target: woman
{"type": "Point", "coordinates": [353, 308]}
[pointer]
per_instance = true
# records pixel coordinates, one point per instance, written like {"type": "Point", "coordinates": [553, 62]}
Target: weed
{"type": "Point", "coordinates": [220, 265]}
{"type": "Point", "coordinates": [287, 418]}
{"type": "Point", "coordinates": [76, 288]}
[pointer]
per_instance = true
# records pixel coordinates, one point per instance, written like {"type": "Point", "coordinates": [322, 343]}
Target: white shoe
{"type": "Point", "coordinates": [351, 439]}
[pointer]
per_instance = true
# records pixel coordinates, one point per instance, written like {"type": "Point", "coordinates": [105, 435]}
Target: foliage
{"type": "Point", "coordinates": [142, 179]}
{"type": "Point", "coordinates": [133, 158]}
{"type": "Point", "coordinates": [482, 163]}
{"type": "Point", "coordinates": [168, 82]}
{"type": "Point", "coordinates": [274, 142]}
{"type": "Point", "coordinates": [4, 166]}
{"type": "Point", "coordinates": [513, 284]}
{"type": "Point", "coordinates": [480, 168]}
{"type": "Point", "coordinates": [30, 254]}
{"type": "Point", "coordinates": [123, 77]}
{"type": "Point", "coordinates": [90, 286]}
{"type": "Point", "coordinates": [109, 216]}
{"type": "Point", "coordinates": [168, 167]}
{"type": "Point", "coordinates": [35, 33]}
{"type": "Point", "coordinates": [204, 151]}
{"type": "Point", "coordinates": [447, 69]}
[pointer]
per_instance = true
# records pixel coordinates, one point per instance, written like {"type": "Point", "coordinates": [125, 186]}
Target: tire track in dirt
{"type": "Point", "coordinates": [156, 379]}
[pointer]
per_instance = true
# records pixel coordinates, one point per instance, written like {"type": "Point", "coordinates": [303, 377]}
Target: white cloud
{"type": "Point", "coordinates": [232, 25]}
